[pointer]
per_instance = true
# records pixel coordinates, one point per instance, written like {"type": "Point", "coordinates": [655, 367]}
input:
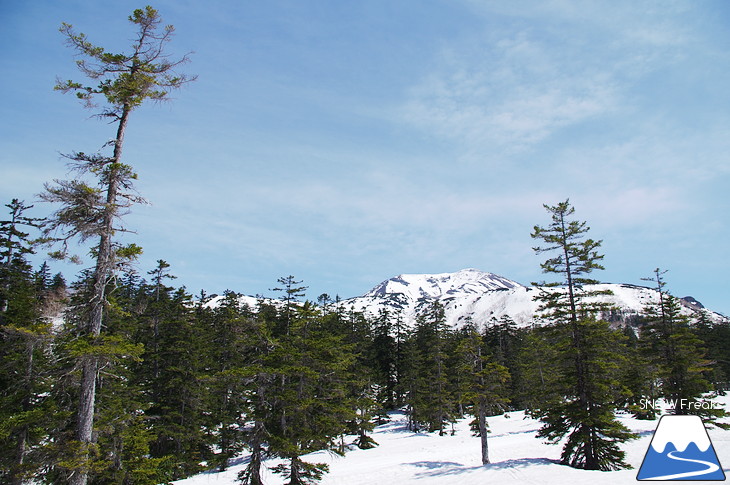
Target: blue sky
{"type": "Point", "coordinates": [347, 142]}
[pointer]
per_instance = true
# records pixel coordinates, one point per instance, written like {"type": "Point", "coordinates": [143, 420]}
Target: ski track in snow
{"type": "Point", "coordinates": [711, 467]}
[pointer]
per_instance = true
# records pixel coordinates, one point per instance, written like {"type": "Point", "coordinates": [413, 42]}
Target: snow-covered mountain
{"type": "Point", "coordinates": [444, 285]}
{"type": "Point", "coordinates": [481, 296]}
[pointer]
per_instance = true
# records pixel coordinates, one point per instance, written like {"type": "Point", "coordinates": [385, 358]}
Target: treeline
{"type": "Point", "coordinates": [186, 383]}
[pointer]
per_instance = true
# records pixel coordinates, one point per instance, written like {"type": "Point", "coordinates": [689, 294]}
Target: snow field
{"type": "Point", "coordinates": [517, 456]}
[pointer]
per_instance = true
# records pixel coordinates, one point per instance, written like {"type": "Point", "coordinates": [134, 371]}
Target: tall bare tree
{"type": "Point", "coordinates": [93, 211]}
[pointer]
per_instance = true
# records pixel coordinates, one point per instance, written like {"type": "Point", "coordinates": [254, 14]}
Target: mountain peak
{"type": "Point", "coordinates": [480, 296]}
{"type": "Point", "coordinates": [439, 285]}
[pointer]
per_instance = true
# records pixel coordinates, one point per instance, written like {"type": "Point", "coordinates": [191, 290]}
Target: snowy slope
{"type": "Point", "coordinates": [517, 456]}
{"type": "Point", "coordinates": [443, 285]}
{"type": "Point", "coordinates": [481, 296]}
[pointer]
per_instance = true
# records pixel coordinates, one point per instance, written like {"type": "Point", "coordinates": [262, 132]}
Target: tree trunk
{"type": "Point", "coordinates": [102, 273]}
{"type": "Point", "coordinates": [483, 431]}
{"type": "Point", "coordinates": [253, 470]}
{"type": "Point", "coordinates": [294, 472]}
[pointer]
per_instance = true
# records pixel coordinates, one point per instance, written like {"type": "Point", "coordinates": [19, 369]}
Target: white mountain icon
{"type": "Point", "coordinates": [680, 450]}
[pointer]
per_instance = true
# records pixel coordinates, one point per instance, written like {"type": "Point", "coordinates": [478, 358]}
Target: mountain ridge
{"type": "Point", "coordinates": [480, 296]}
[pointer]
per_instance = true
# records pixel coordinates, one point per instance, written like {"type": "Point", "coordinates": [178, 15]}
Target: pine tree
{"type": "Point", "coordinates": [588, 348]}
{"type": "Point", "coordinates": [92, 211]}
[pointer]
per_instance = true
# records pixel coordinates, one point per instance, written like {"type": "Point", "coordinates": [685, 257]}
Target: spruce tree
{"type": "Point", "coordinates": [91, 211]}
{"type": "Point", "coordinates": [588, 348]}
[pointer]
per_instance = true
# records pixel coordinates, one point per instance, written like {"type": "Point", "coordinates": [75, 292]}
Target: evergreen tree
{"type": "Point", "coordinates": [587, 413]}
{"type": "Point", "coordinates": [121, 450]}
{"type": "Point", "coordinates": [310, 398]}
{"type": "Point", "coordinates": [180, 410]}
{"type": "Point", "coordinates": [537, 365]}
{"type": "Point", "coordinates": [123, 430]}
{"type": "Point", "coordinates": [505, 338]}
{"type": "Point", "coordinates": [639, 377]}
{"type": "Point", "coordinates": [715, 337]}
{"type": "Point", "coordinates": [14, 245]}
{"type": "Point", "coordinates": [485, 383]}
{"type": "Point", "coordinates": [384, 361]}
{"type": "Point", "coordinates": [292, 292]}
{"type": "Point", "coordinates": [234, 341]}
{"type": "Point", "coordinates": [431, 404]}
{"type": "Point", "coordinates": [260, 378]}
{"type": "Point", "coordinates": [362, 382]}
{"type": "Point", "coordinates": [589, 350]}
{"type": "Point", "coordinates": [25, 343]}
{"type": "Point", "coordinates": [92, 211]}
{"type": "Point", "coordinates": [676, 352]}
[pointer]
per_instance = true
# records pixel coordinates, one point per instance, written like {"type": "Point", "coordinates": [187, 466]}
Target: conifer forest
{"type": "Point", "coordinates": [115, 375]}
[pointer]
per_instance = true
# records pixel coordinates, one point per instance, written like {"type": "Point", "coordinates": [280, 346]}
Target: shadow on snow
{"type": "Point", "coordinates": [449, 468]}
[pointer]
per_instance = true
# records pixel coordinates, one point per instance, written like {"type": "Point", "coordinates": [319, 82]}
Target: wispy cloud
{"type": "Point", "coordinates": [511, 104]}
{"type": "Point", "coordinates": [514, 86]}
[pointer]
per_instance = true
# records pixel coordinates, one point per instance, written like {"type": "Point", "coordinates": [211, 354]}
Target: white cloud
{"type": "Point", "coordinates": [516, 85]}
{"type": "Point", "coordinates": [633, 207]}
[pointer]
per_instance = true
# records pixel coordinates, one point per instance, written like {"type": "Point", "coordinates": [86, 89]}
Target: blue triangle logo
{"type": "Point", "coordinates": [681, 450]}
